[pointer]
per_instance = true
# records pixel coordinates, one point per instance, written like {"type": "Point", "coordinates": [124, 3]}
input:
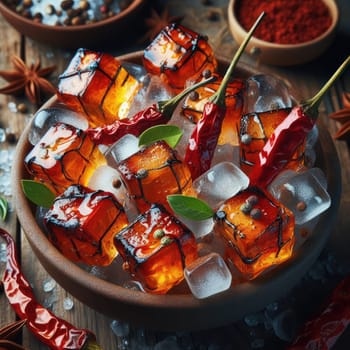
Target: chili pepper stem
{"type": "Point", "coordinates": [92, 345]}
{"type": "Point", "coordinates": [168, 107]}
{"type": "Point", "coordinates": [219, 96]}
{"type": "Point", "coordinates": [310, 106]}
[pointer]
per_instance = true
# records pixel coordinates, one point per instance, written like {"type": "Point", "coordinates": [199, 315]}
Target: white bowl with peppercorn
{"type": "Point", "coordinates": [292, 33]}
{"type": "Point", "coordinates": [71, 24]}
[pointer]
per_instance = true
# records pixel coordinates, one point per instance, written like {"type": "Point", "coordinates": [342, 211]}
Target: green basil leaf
{"type": "Point", "coordinates": [190, 207]}
{"type": "Point", "coordinates": [169, 133]}
{"type": "Point", "coordinates": [3, 208]}
{"type": "Point", "coordinates": [38, 193]}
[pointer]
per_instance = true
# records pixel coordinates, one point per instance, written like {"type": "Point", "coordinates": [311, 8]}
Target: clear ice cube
{"type": "Point", "coordinates": [220, 182]}
{"type": "Point", "coordinates": [208, 275]}
{"type": "Point", "coordinates": [312, 137]}
{"type": "Point", "coordinates": [122, 149]}
{"type": "Point", "coordinates": [304, 194]}
{"type": "Point", "coordinates": [108, 179]}
{"type": "Point", "coordinates": [226, 153]}
{"type": "Point", "coordinates": [266, 92]}
{"type": "Point", "coordinates": [199, 228]}
{"type": "Point", "coordinates": [136, 70]}
{"type": "Point", "coordinates": [152, 91]}
{"type": "Point", "coordinates": [45, 118]}
{"type": "Point", "coordinates": [187, 128]}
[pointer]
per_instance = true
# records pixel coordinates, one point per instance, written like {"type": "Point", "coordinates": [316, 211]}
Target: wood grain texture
{"type": "Point", "coordinates": [306, 80]}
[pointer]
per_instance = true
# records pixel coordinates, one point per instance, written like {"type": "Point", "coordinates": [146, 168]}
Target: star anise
{"type": "Point", "coordinates": [343, 117]}
{"type": "Point", "coordinates": [157, 21]}
{"type": "Point", "coordinates": [28, 79]}
{"type": "Point", "coordinates": [8, 335]}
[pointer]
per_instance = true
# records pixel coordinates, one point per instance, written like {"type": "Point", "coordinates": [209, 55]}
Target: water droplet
{"type": "Point", "coordinates": [3, 252]}
{"type": "Point", "coordinates": [12, 107]}
{"type": "Point", "coordinates": [2, 135]}
{"type": "Point", "coordinates": [49, 285]}
{"type": "Point", "coordinates": [120, 328]}
{"type": "Point", "coordinates": [68, 303]}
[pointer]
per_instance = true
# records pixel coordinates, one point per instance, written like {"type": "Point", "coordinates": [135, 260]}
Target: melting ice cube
{"type": "Point", "coordinates": [108, 179]}
{"type": "Point", "coordinates": [45, 118]}
{"type": "Point", "coordinates": [265, 93]}
{"type": "Point", "coordinates": [122, 149]}
{"type": "Point", "coordinates": [220, 182]}
{"type": "Point", "coordinates": [208, 275]}
{"type": "Point", "coordinates": [152, 91]}
{"type": "Point", "coordinates": [199, 228]}
{"type": "Point", "coordinates": [304, 194]}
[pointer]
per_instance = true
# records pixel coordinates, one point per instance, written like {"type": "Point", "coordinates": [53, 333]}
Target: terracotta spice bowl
{"type": "Point", "coordinates": [284, 54]}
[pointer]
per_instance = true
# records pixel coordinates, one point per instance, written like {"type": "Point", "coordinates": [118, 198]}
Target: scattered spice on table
{"type": "Point", "coordinates": [287, 22]}
{"type": "Point", "coordinates": [28, 79]}
{"type": "Point", "coordinates": [51, 330]}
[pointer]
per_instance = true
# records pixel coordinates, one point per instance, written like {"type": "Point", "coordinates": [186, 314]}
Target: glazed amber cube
{"type": "Point", "coordinates": [64, 156]}
{"type": "Point", "coordinates": [153, 173]}
{"type": "Point", "coordinates": [178, 54]}
{"type": "Point", "coordinates": [97, 85]}
{"type": "Point", "coordinates": [82, 224]}
{"type": "Point", "coordinates": [156, 248]}
{"type": "Point", "coordinates": [258, 231]}
{"type": "Point", "coordinates": [255, 130]}
{"type": "Point", "coordinates": [194, 103]}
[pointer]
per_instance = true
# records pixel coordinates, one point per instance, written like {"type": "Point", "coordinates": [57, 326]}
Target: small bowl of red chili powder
{"type": "Point", "coordinates": [292, 32]}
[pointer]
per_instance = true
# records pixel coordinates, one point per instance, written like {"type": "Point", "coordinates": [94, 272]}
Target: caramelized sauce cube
{"type": "Point", "coordinates": [258, 231]}
{"type": "Point", "coordinates": [156, 248]}
{"type": "Point", "coordinates": [97, 85]}
{"type": "Point", "coordinates": [153, 173]}
{"type": "Point", "coordinates": [178, 54]}
{"type": "Point", "coordinates": [64, 156]}
{"type": "Point", "coordinates": [82, 224]}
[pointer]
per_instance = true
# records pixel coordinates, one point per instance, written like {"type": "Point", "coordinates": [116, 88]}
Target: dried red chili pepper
{"type": "Point", "coordinates": [204, 138]}
{"type": "Point", "coordinates": [51, 330]}
{"type": "Point", "coordinates": [156, 114]}
{"type": "Point", "coordinates": [323, 331]}
{"type": "Point", "coordinates": [288, 136]}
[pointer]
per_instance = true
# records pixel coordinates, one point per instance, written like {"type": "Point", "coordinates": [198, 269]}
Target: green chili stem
{"type": "Point", "coordinates": [219, 96]}
{"type": "Point", "coordinates": [310, 106]}
{"type": "Point", "coordinates": [168, 107]}
{"type": "Point", "coordinates": [92, 345]}
{"type": "Point", "coordinates": [3, 208]}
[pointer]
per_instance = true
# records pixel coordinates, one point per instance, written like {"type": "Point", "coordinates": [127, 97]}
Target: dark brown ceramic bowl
{"type": "Point", "coordinates": [115, 31]}
{"type": "Point", "coordinates": [181, 310]}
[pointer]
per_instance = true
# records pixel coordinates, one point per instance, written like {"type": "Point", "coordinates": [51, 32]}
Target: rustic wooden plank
{"type": "Point", "coordinates": [10, 44]}
{"type": "Point", "coordinates": [307, 81]}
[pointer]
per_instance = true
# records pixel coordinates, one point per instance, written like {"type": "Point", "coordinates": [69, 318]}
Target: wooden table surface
{"type": "Point", "coordinates": [307, 78]}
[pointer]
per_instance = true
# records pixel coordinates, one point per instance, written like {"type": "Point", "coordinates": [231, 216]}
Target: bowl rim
{"type": "Point", "coordinates": [134, 5]}
{"type": "Point", "coordinates": [212, 312]}
{"type": "Point", "coordinates": [334, 12]}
